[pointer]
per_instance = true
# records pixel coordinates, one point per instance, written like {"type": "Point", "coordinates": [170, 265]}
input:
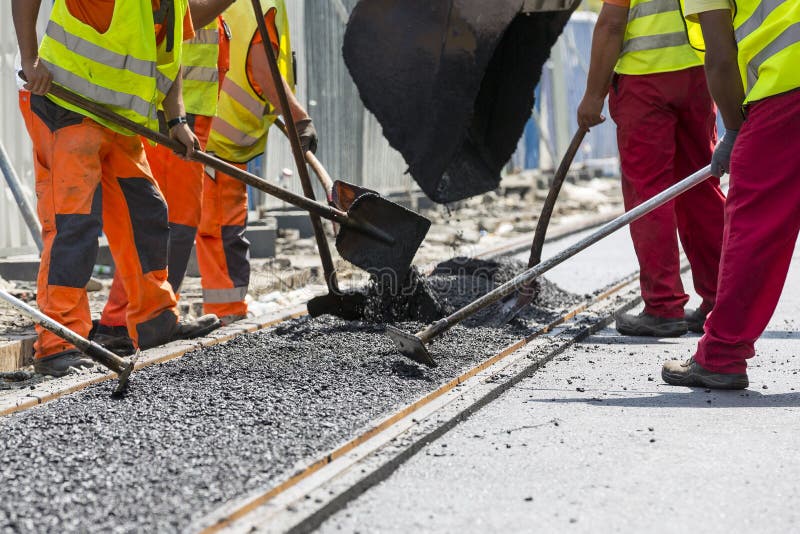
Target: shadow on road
{"type": "Point", "coordinates": [694, 398]}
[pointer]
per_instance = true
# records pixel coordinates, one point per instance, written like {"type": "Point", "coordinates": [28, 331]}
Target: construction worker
{"type": "Point", "coordinates": [107, 52]}
{"type": "Point", "coordinates": [760, 105]}
{"type": "Point", "coordinates": [665, 131]}
{"type": "Point", "coordinates": [248, 106]}
{"type": "Point", "coordinates": [205, 61]}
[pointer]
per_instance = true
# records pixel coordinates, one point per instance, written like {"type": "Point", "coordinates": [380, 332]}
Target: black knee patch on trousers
{"type": "Point", "coordinates": [52, 115]}
{"type": "Point", "coordinates": [181, 240]}
{"type": "Point", "coordinates": [237, 255]}
{"type": "Point", "coordinates": [148, 213]}
{"type": "Point", "coordinates": [75, 246]}
{"type": "Point", "coordinates": [157, 330]}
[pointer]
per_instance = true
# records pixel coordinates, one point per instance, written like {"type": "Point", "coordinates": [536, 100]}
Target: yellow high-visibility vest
{"type": "Point", "coordinates": [239, 130]}
{"type": "Point", "coordinates": [201, 71]}
{"type": "Point", "coordinates": [657, 39]}
{"type": "Point", "coordinates": [121, 68]}
{"type": "Point", "coordinates": [768, 36]}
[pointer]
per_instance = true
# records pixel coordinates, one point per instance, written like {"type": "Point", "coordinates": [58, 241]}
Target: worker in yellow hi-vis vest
{"type": "Point", "coordinates": [93, 175]}
{"type": "Point", "coordinates": [204, 62]}
{"type": "Point", "coordinates": [248, 106]}
{"type": "Point", "coordinates": [760, 105]}
{"type": "Point", "coordinates": [642, 58]}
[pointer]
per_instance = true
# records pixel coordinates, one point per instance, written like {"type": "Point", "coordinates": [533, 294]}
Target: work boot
{"type": "Point", "coordinates": [691, 374]}
{"type": "Point", "coordinates": [190, 329]}
{"type": "Point", "coordinates": [648, 325]}
{"type": "Point", "coordinates": [229, 319]}
{"type": "Point", "coordinates": [696, 319]}
{"type": "Point", "coordinates": [114, 338]}
{"type": "Point", "coordinates": [62, 363]}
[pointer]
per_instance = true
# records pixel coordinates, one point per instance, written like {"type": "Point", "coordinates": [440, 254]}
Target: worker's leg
{"type": "Point", "coordinates": [181, 182]}
{"type": "Point", "coordinates": [67, 154]}
{"type": "Point", "coordinates": [135, 217]}
{"type": "Point", "coordinates": [223, 253]}
{"type": "Point", "coordinates": [761, 228]}
{"type": "Point", "coordinates": [701, 210]}
{"type": "Point", "coordinates": [646, 138]}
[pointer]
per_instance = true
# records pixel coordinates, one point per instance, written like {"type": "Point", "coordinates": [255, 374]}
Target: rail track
{"type": "Point", "coordinates": [335, 477]}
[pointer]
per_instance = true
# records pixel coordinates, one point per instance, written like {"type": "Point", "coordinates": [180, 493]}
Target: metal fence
{"type": "Point", "coordinates": [352, 146]}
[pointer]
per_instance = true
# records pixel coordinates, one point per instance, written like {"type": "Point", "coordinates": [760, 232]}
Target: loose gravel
{"type": "Point", "coordinates": [224, 421]}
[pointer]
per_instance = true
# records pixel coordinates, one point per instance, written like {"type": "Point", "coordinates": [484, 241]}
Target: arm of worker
{"type": "Point", "coordinates": [205, 11]}
{"type": "Point", "coordinates": [724, 81]}
{"type": "Point", "coordinates": [25, 13]}
{"type": "Point", "coordinates": [609, 33]}
{"type": "Point", "coordinates": [174, 109]}
{"type": "Point", "coordinates": [263, 77]}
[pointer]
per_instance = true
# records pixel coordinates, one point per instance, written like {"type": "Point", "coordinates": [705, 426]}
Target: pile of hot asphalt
{"type": "Point", "coordinates": [223, 421]}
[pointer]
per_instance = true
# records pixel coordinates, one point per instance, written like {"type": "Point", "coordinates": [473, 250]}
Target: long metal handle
{"type": "Point", "coordinates": [552, 196]}
{"type": "Point", "coordinates": [512, 285]}
{"type": "Point", "coordinates": [324, 249]}
{"type": "Point", "coordinates": [25, 208]}
{"type": "Point", "coordinates": [300, 201]}
{"type": "Point", "coordinates": [93, 350]}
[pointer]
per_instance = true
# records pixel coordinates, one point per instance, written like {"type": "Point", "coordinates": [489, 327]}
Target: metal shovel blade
{"type": "Point", "coordinates": [122, 378]}
{"type": "Point", "coordinates": [343, 194]}
{"type": "Point", "coordinates": [346, 305]}
{"type": "Point", "coordinates": [410, 346]}
{"type": "Point", "coordinates": [389, 263]}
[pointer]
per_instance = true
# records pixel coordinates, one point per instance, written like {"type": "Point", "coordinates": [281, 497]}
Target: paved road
{"type": "Point", "coordinates": [594, 442]}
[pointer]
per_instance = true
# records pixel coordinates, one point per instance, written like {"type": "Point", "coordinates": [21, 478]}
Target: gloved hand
{"type": "Point", "coordinates": [307, 134]}
{"type": "Point", "coordinates": [721, 160]}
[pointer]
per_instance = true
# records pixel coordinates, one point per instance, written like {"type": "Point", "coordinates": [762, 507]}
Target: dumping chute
{"type": "Point", "coordinates": [452, 81]}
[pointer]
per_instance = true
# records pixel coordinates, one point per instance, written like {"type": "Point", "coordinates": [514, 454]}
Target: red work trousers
{"type": "Point", "coordinates": [762, 220]}
{"type": "Point", "coordinates": [181, 183]}
{"type": "Point", "coordinates": [89, 178]}
{"type": "Point", "coordinates": [666, 131]}
{"type": "Point", "coordinates": [223, 253]}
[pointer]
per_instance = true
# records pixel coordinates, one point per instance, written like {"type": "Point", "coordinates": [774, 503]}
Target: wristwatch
{"type": "Point", "coordinates": [176, 121]}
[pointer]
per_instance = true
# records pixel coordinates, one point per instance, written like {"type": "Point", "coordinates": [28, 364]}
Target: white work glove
{"type": "Point", "coordinates": [721, 160]}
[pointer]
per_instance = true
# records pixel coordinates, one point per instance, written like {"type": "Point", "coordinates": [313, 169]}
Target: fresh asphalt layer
{"type": "Point", "coordinates": [219, 423]}
{"type": "Point", "coordinates": [596, 442]}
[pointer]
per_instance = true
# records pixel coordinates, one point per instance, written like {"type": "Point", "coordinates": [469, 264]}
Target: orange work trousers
{"type": "Point", "coordinates": [88, 177]}
{"type": "Point", "coordinates": [181, 183]}
{"type": "Point", "coordinates": [223, 252]}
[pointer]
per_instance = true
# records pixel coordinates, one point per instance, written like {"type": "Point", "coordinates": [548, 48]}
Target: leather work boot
{"type": "Point", "coordinates": [114, 338]}
{"type": "Point", "coordinates": [648, 325]}
{"type": "Point", "coordinates": [190, 329]}
{"type": "Point", "coordinates": [229, 319]}
{"type": "Point", "coordinates": [62, 363]}
{"type": "Point", "coordinates": [691, 374]}
{"type": "Point", "coordinates": [695, 319]}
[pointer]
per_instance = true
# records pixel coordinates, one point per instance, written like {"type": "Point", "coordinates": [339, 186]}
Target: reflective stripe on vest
{"type": "Point", "coordinates": [122, 68]}
{"type": "Point", "coordinates": [201, 71]}
{"type": "Point", "coordinates": [239, 131]}
{"type": "Point", "coordinates": [656, 39]}
{"type": "Point", "coordinates": [768, 38]}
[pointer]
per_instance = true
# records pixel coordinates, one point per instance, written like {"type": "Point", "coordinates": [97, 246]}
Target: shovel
{"type": "Point", "coordinates": [348, 306]}
{"type": "Point", "coordinates": [94, 351]}
{"type": "Point", "coordinates": [512, 305]}
{"type": "Point", "coordinates": [413, 345]}
{"type": "Point", "coordinates": [371, 238]}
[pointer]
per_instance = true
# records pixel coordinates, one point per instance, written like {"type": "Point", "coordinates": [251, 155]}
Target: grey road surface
{"type": "Point", "coordinates": [595, 442]}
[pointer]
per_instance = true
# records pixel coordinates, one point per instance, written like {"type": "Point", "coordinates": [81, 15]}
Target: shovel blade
{"type": "Point", "coordinates": [346, 305]}
{"type": "Point", "coordinates": [389, 263]}
{"type": "Point", "coordinates": [410, 346]}
{"type": "Point", "coordinates": [344, 194]}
